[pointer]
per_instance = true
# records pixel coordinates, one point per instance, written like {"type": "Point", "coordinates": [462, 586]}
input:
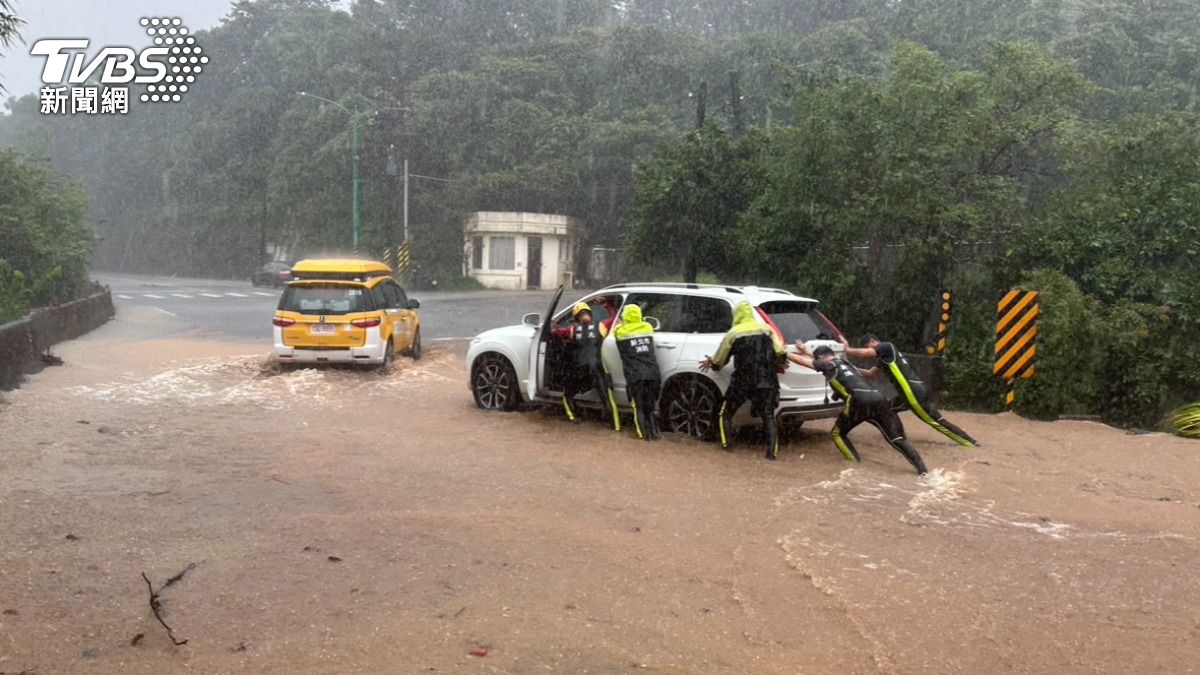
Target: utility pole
{"type": "Point", "coordinates": [354, 153]}
{"type": "Point", "coordinates": [701, 104]}
{"type": "Point", "coordinates": [735, 104]}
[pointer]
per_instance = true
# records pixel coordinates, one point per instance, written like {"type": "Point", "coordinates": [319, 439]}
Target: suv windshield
{"type": "Point", "coordinates": [325, 299]}
{"type": "Point", "coordinates": [799, 321]}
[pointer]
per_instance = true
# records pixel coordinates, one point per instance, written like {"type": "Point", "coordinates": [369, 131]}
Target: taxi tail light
{"type": "Point", "coordinates": [283, 321]}
{"type": "Point", "coordinates": [366, 323]}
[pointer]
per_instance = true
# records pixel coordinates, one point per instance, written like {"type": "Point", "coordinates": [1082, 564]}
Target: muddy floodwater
{"type": "Point", "coordinates": [348, 522]}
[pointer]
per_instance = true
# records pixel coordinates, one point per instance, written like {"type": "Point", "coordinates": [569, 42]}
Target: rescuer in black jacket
{"type": "Point", "coordinates": [635, 343]}
{"type": "Point", "coordinates": [585, 370]}
{"type": "Point", "coordinates": [757, 354]}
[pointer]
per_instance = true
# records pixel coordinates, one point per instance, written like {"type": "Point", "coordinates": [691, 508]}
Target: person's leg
{"type": "Point", "coordinates": [646, 403]}
{"type": "Point", "coordinates": [889, 424]}
{"type": "Point", "coordinates": [636, 397]}
{"type": "Point", "coordinates": [735, 396]}
{"type": "Point", "coordinates": [841, 433]}
{"type": "Point", "coordinates": [951, 430]}
{"type": "Point", "coordinates": [765, 403]}
{"type": "Point", "coordinates": [918, 401]}
{"type": "Point", "coordinates": [570, 389]}
{"type": "Point", "coordinates": [653, 391]}
{"type": "Point", "coordinates": [609, 399]}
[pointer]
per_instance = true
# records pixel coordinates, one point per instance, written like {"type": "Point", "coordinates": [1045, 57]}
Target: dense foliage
{"type": "Point", "coordinates": [877, 152]}
{"type": "Point", "coordinates": [45, 241]}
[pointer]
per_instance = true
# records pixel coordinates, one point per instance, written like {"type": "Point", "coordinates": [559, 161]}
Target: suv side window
{"type": "Point", "coordinates": [666, 307]}
{"type": "Point", "coordinates": [702, 314]}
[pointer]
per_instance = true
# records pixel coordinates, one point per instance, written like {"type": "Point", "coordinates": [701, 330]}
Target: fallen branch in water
{"type": "Point", "coordinates": [156, 605]}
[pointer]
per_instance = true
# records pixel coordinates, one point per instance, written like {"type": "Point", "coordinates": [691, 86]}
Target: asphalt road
{"type": "Point", "coordinates": [235, 310]}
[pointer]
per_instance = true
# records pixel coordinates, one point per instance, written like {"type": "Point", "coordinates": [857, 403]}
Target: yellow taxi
{"type": "Point", "coordinates": [345, 311]}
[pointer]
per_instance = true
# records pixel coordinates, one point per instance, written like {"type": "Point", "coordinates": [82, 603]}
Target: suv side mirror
{"type": "Point", "coordinates": [413, 303]}
{"type": "Point", "coordinates": [654, 323]}
{"type": "Point", "coordinates": [533, 320]}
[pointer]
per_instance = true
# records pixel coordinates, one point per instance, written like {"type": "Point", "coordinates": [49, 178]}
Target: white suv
{"type": "Point", "coordinates": [507, 366]}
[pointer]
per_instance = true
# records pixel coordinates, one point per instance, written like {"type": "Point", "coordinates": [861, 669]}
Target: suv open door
{"type": "Point", "coordinates": [542, 341]}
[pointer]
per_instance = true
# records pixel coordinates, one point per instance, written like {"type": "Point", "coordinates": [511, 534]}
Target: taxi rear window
{"type": "Point", "coordinates": [325, 299]}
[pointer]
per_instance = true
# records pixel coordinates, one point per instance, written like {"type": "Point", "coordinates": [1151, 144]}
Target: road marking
{"type": "Point", "coordinates": [151, 295]}
{"type": "Point", "coordinates": [237, 295]}
{"type": "Point", "coordinates": [166, 312]}
{"type": "Point", "coordinates": [212, 295]}
{"type": "Point", "coordinates": [125, 297]}
{"type": "Point", "coordinates": [182, 295]}
{"type": "Point", "coordinates": [268, 295]}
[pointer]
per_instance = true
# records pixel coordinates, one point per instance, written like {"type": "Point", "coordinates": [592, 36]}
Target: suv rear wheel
{"type": "Point", "coordinates": [690, 405]}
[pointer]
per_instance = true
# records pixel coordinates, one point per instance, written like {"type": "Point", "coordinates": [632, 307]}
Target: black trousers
{"type": "Point", "coordinates": [644, 397]}
{"type": "Point", "coordinates": [763, 402]}
{"type": "Point", "coordinates": [582, 379]}
{"type": "Point", "coordinates": [877, 412]}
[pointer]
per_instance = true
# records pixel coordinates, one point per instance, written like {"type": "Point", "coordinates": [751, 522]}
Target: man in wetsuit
{"type": "Point", "coordinates": [635, 344]}
{"type": "Point", "coordinates": [584, 370]}
{"type": "Point", "coordinates": [909, 385]}
{"type": "Point", "coordinates": [864, 403]}
{"type": "Point", "coordinates": [758, 354]}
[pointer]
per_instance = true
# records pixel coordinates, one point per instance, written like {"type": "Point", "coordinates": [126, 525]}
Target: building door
{"type": "Point", "coordinates": [534, 262]}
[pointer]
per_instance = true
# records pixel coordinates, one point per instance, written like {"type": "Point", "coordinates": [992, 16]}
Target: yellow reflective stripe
{"type": "Point", "coordinates": [567, 407]}
{"type": "Point", "coordinates": [721, 425]}
{"type": "Point", "coordinates": [637, 425]}
{"type": "Point", "coordinates": [915, 406]}
{"type": "Point", "coordinates": [841, 445]}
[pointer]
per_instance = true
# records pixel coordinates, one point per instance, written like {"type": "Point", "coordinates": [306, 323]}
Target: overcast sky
{"type": "Point", "coordinates": [105, 22]}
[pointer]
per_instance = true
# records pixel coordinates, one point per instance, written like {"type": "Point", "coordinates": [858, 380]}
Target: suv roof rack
{"type": "Point", "coordinates": [676, 284]}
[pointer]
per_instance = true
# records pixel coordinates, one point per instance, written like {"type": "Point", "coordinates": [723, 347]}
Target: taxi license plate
{"type": "Point", "coordinates": [324, 329]}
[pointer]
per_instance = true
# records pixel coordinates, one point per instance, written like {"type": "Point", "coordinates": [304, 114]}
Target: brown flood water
{"type": "Point", "coordinates": [347, 522]}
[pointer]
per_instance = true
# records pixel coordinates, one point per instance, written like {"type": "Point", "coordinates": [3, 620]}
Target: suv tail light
{"type": "Point", "coordinates": [365, 323]}
{"type": "Point", "coordinates": [283, 321]}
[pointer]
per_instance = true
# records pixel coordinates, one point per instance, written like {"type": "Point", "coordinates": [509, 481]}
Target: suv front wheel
{"type": "Point", "coordinates": [689, 405]}
{"type": "Point", "coordinates": [494, 383]}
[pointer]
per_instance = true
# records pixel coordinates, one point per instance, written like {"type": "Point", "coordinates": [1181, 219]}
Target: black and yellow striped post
{"type": "Point", "coordinates": [939, 340]}
{"type": "Point", "coordinates": [1016, 340]}
{"type": "Point", "coordinates": [403, 260]}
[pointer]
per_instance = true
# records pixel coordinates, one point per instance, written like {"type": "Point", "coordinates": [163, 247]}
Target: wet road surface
{"type": "Point", "coordinates": [349, 522]}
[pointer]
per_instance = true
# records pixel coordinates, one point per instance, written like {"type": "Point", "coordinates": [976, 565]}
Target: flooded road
{"type": "Point", "coordinates": [349, 522]}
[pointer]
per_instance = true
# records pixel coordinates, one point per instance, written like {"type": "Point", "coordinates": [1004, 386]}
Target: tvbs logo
{"type": "Point", "coordinates": [167, 69]}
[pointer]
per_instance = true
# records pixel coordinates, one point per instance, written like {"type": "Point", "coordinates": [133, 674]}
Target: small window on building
{"type": "Point", "coordinates": [477, 253]}
{"type": "Point", "coordinates": [502, 253]}
{"type": "Point", "coordinates": [564, 251]}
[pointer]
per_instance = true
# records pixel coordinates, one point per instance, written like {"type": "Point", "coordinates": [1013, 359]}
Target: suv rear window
{"type": "Point", "coordinates": [325, 299]}
{"type": "Point", "coordinates": [799, 321]}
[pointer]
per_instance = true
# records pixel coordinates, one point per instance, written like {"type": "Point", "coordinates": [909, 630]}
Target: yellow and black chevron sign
{"type": "Point", "coordinates": [1016, 335]}
{"type": "Point", "coordinates": [403, 259]}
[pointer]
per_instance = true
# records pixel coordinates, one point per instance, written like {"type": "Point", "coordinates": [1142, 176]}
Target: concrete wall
{"type": "Point", "coordinates": [23, 340]}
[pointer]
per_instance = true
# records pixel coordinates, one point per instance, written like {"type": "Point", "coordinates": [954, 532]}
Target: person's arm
{"type": "Point", "coordinates": [562, 332]}
{"type": "Point", "coordinates": [858, 352]}
{"type": "Point", "coordinates": [718, 360]}
{"type": "Point", "coordinates": [871, 374]}
{"type": "Point", "coordinates": [801, 360]}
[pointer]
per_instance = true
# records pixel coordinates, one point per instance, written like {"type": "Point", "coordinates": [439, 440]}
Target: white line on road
{"type": "Point", "coordinates": [151, 295]}
{"type": "Point", "coordinates": [125, 297]}
{"type": "Point", "coordinates": [237, 295]}
{"type": "Point", "coordinates": [182, 295]}
{"type": "Point", "coordinates": [166, 312]}
{"type": "Point", "coordinates": [268, 295]}
{"type": "Point", "coordinates": [212, 295]}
